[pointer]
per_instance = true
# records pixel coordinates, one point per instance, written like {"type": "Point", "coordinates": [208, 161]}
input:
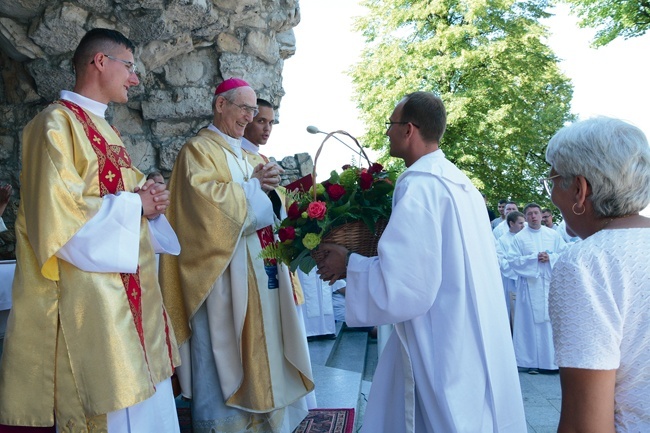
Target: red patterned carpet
{"type": "Point", "coordinates": [327, 421]}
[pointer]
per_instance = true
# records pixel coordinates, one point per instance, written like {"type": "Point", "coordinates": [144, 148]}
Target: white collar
{"type": "Point", "coordinates": [235, 143]}
{"type": "Point", "coordinates": [97, 108]}
{"type": "Point", "coordinates": [249, 146]}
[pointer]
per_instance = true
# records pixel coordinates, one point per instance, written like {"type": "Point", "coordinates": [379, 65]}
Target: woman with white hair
{"type": "Point", "coordinates": [600, 291]}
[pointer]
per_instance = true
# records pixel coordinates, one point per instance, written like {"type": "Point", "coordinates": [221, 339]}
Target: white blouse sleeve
{"type": "Point", "coordinates": [587, 324]}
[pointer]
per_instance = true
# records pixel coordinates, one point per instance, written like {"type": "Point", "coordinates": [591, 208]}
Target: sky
{"type": "Point", "coordinates": [610, 81]}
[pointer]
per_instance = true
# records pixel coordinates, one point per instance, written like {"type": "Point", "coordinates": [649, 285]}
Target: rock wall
{"type": "Point", "coordinates": [184, 47]}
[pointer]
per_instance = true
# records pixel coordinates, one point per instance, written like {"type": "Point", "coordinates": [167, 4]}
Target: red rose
{"type": "Point", "coordinates": [294, 211]}
{"type": "Point", "coordinates": [287, 233]}
{"type": "Point", "coordinates": [316, 210]}
{"type": "Point", "coordinates": [335, 191]}
{"type": "Point", "coordinates": [365, 180]}
{"type": "Point", "coordinates": [375, 168]}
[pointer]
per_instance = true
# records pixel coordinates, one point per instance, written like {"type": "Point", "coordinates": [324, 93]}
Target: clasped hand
{"type": "Point", "coordinates": [269, 175]}
{"type": "Point", "coordinates": [155, 198]}
{"type": "Point", "coordinates": [333, 266]}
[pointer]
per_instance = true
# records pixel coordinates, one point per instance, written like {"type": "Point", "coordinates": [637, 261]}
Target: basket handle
{"type": "Point", "coordinates": [320, 148]}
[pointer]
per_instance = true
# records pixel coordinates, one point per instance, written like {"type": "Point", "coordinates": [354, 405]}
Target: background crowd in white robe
{"type": "Point", "coordinates": [526, 281]}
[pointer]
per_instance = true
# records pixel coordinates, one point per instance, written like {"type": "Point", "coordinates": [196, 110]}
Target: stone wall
{"type": "Point", "coordinates": [184, 48]}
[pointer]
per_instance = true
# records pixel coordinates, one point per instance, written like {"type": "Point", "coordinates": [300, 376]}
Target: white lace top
{"type": "Point", "coordinates": [599, 306]}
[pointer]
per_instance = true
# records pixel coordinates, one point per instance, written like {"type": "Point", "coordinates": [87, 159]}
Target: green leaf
{"type": "Point", "coordinates": [301, 261]}
{"type": "Point", "coordinates": [334, 177]}
{"type": "Point", "coordinates": [340, 210]}
{"type": "Point", "coordinates": [306, 264]}
{"type": "Point", "coordinates": [612, 19]}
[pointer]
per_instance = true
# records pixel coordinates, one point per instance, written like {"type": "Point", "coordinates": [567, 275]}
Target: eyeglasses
{"type": "Point", "coordinates": [391, 123]}
{"type": "Point", "coordinates": [129, 65]}
{"type": "Point", "coordinates": [548, 183]}
{"type": "Point", "coordinates": [245, 108]}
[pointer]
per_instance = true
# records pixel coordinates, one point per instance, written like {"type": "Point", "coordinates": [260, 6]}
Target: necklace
{"type": "Point", "coordinates": [615, 218]}
{"type": "Point", "coordinates": [245, 173]}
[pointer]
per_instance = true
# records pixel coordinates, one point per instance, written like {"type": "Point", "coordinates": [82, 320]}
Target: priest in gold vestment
{"type": "Point", "coordinates": [245, 359]}
{"type": "Point", "coordinates": [88, 343]}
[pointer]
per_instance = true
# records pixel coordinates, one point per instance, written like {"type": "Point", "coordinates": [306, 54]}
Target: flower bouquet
{"type": "Point", "coordinates": [350, 208]}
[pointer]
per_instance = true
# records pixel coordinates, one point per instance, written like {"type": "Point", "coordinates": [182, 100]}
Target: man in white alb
{"type": "Point", "coordinates": [502, 228]}
{"type": "Point", "coordinates": [515, 221]}
{"type": "Point", "coordinates": [449, 365]}
{"type": "Point", "coordinates": [502, 217]}
{"type": "Point", "coordinates": [531, 256]}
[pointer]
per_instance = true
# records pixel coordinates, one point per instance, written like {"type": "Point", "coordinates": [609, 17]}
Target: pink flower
{"type": "Point", "coordinates": [375, 168]}
{"type": "Point", "coordinates": [335, 191]}
{"type": "Point", "coordinates": [294, 211]}
{"type": "Point", "coordinates": [316, 210]}
{"type": "Point", "coordinates": [287, 233]}
{"type": "Point", "coordinates": [365, 180]}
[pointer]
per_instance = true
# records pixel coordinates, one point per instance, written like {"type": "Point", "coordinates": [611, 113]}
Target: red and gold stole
{"type": "Point", "coordinates": [111, 158]}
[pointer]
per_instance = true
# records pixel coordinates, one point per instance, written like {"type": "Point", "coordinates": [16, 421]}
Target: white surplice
{"type": "Point", "coordinates": [501, 229]}
{"type": "Point", "coordinates": [449, 366]}
{"type": "Point", "coordinates": [318, 310]}
{"type": "Point", "coordinates": [532, 333]}
{"type": "Point", "coordinates": [508, 277]}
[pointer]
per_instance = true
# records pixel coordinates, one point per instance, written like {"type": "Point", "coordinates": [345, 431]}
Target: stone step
{"type": "Point", "coordinates": [349, 351]}
{"type": "Point", "coordinates": [338, 367]}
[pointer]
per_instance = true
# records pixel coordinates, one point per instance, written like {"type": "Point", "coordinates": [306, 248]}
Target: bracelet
{"type": "Point", "coordinates": [347, 258]}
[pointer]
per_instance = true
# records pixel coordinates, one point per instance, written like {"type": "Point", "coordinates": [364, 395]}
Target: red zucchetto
{"type": "Point", "coordinates": [229, 84]}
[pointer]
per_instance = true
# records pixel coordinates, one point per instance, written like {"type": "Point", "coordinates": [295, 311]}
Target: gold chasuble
{"type": "Point", "coordinates": [258, 345]}
{"type": "Point", "coordinates": [78, 344]}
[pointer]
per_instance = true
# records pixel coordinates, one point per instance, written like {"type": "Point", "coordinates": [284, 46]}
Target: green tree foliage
{"type": "Point", "coordinates": [504, 94]}
{"type": "Point", "coordinates": [611, 19]}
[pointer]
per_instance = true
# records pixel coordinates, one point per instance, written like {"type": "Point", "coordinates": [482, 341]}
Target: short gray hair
{"type": "Point", "coordinates": [612, 155]}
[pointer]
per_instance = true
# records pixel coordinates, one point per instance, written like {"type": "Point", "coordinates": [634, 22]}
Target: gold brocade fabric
{"type": "Point", "coordinates": [209, 214]}
{"type": "Point", "coordinates": [208, 218]}
{"type": "Point", "coordinates": [71, 346]}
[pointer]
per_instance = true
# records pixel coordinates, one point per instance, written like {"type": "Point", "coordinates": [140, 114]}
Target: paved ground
{"type": "Point", "coordinates": [343, 374]}
{"type": "Point", "coordinates": [542, 400]}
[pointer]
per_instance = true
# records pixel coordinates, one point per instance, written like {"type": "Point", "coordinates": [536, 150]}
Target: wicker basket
{"type": "Point", "coordinates": [355, 236]}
